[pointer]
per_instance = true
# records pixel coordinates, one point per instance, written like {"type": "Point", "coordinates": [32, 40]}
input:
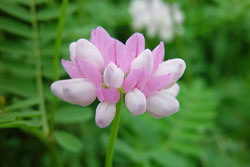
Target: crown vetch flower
{"type": "Point", "coordinates": [104, 66]}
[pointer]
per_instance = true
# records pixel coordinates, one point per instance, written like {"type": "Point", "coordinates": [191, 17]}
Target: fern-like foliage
{"type": "Point", "coordinates": [190, 126]}
{"type": "Point", "coordinates": [19, 45]}
{"type": "Point", "coordinates": [18, 63]}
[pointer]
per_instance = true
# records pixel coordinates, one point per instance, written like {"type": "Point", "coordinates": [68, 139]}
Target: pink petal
{"type": "Point", "coordinates": [132, 79]}
{"type": "Point", "coordinates": [100, 37]}
{"type": "Point", "coordinates": [135, 45]}
{"type": "Point", "coordinates": [110, 95]}
{"type": "Point", "coordinates": [105, 114]}
{"type": "Point", "coordinates": [173, 91]}
{"type": "Point", "coordinates": [122, 60]}
{"type": "Point", "coordinates": [90, 71]}
{"type": "Point", "coordinates": [156, 84]}
{"type": "Point", "coordinates": [116, 52]}
{"type": "Point", "coordinates": [142, 79]}
{"type": "Point", "coordinates": [175, 67]}
{"type": "Point", "coordinates": [135, 101]}
{"type": "Point", "coordinates": [93, 38]}
{"type": "Point", "coordinates": [76, 91]}
{"type": "Point", "coordinates": [113, 76]}
{"type": "Point", "coordinates": [162, 104]}
{"type": "Point", "coordinates": [82, 93]}
{"type": "Point", "coordinates": [90, 53]}
{"type": "Point", "coordinates": [72, 51]}
{"type": "Point", "coordinates": [72, 69]}
{"type": "Point", "coordinates": [57, 89]}
{"type": "Point", "coordinates": [100, 94]}
{"type": "Point", "coordinates": [109, 52]}
{"type": "Point", "coordinates": [158, 54]}
{"type": "Point", "coordinates": [144, 60]}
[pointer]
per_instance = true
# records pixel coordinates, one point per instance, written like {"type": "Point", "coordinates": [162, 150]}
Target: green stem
{"type": "Point", "coordinates": [59, 40]}
{"type": "Point", "coordinates": [39, 81]}
{"type": "Point", "coordinates": [56, 59]}
{"type": "Point", "coordinates": [113, 134]}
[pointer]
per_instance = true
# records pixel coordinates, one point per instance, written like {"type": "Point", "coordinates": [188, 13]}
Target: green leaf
{"type": "Point", "coordinates": [72, 31]}
{"type": "Point", "coordinates": [53, 12]}
{"type": "Point", "coordinates": [19, 69]}
{"type": "Point", "coordinates": [68, 141]}
{"type": "Point", "coordinates": [122, 147]}
{"type": "Point", "coordinates": [167, 158]}
{"type": "Point", "coordinates": [21, 123]}
{"type": "Point", "coordinates": [188, 136]}
{"type": "Point", "coordinates": [6, 118]}
{"type": "Point", "coordinates": [73, 114]}
{"type": "Point", "coordinates": [15, 10]}
{"type": "Point", "coordinates": [15, 47]}
{"type": "Point", "coordinates": [193, 149]}
{"type": "Point", "coordinates": [195, 118]}
{"type": "Point", "coordinates": [125, 149]}
{"type": "Point", "coordinates": [15, 27]}
{"type": "Point", "coordinates": [23, 104]}
{"type": "Point", "coordinates": [24, 87]}
{"type": "Point", "coordinates": [22, 114]}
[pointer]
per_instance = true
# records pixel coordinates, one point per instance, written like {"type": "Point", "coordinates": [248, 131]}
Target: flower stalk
{"type": "Point", "coordinates": [113, 133]}
{"type": "Point", "coordinates": [38, 63]}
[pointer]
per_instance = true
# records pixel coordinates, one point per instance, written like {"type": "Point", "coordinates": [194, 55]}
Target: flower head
{"type": "Point", "coordinates": [104, 66]}
{"type": "Point", "coordinates": [157, 17]}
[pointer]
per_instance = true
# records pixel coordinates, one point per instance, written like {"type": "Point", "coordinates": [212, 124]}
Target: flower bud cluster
{"type": "Point", "coordinates": [105, 67]}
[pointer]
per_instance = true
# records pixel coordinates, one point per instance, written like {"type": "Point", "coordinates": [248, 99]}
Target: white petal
{"type": "Point", "coordinates": [173, 90]}
{"type": "Point", "coordinates": [144, 60]}
{"type": "Point", "coordinates": [105, 114]}
{"type": "Point", "coordinates": [177, 14]}
{"type": "Point", "coordinates": [113, 76]}
{"type": "Point", "coordinates": [176, 67]}
{"type": "Point", "coordinates": [135, 101]}
{"type": "Point", "coordinates": [72, 51]}
{"type": "Point", "coordinates": [57, 89]}
{"type": "Point", "coordinates": [162, 104]}
{"type": "Point", "coordinates": [88, 52]}
{"type": "Point", "coordinates": [76, 91]}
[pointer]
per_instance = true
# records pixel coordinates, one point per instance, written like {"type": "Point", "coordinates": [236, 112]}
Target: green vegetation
{"type": "Point", "coordinates": [211, 129]}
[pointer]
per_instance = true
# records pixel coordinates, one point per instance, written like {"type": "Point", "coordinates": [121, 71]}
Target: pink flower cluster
{"type": "Point", "coordinates": [103, 67]}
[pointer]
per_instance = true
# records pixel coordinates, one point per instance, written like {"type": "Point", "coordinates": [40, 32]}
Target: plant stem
{"type": "Point", "coordinates": [39, 81]}
{"type": "Point", "coordinates": [56, 59]}
{"type": "Point", "coordinates": [113, 133]}
{"type": "Point", "coordinates": [59, 40]}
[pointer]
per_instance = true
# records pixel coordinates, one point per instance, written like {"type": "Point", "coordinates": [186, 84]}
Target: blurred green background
{"type": "Point", "coordinates": [212, 128]}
